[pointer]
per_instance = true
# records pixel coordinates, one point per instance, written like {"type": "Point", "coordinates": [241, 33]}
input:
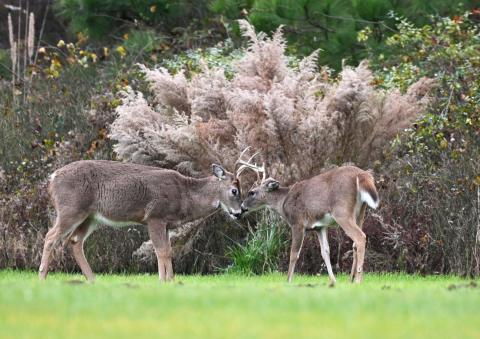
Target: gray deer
{"type": "Point", "coordinates": [92, 192]}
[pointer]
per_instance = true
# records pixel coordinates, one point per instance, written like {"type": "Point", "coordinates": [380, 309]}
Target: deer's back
{"type": "Point", "coordinates": [114, 189]}
{"type": "Point", "coordinates": [315, 197]}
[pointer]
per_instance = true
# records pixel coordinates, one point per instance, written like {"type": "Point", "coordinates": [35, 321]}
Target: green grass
{"type": "Point", "coordinates": [227, 306]}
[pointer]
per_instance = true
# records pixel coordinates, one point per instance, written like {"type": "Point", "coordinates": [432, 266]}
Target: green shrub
{"type": "Point", "coordinates": [432, 176]}
{"type": "Point", "coordinates": [262, 249]}
{"type": "Point", "coordinates": [191, 61]}
{"type": "Point", "coordinates": [447, 50]}
{"type": "Point", "coordinates": [145, 41]}
{"type": "Point", "coordinates": [5, 64]}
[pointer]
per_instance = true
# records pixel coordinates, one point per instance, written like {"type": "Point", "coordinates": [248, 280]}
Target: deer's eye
{"type": "Point", "coordinates": [234, 191]}
{"type": "Point", "coordinates": [251, 193]}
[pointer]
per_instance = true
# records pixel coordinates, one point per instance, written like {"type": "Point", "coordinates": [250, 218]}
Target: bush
{"type": "Point", "coordinates": [301, 119]}
{"type": "Point", "coordinates": [431, 177]}
{"type": "Point", "coordinates": [56, 116]}
{"type": "Point", "coordinates": [193, 61]}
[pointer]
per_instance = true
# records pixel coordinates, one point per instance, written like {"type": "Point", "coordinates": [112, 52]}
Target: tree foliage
{"type": "Point", "coordinates": [109, 18]}
{"type": "Point", "coordinates": [333, 25]}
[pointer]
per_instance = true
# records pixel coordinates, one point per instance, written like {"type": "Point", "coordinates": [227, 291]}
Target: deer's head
{"type": "Point", "coordinates": [229, 191]}
{"type": "Point", "coordinates": [259, 195]}
{"type": "Point", "coordinates": [230, 199]}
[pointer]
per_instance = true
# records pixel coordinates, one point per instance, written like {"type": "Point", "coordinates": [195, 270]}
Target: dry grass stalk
{"type": "Point", "coordinates": [21, 48]}
{"type": "Point", "coordinates": [13, 46]}
{"type": "Point", "coordinates": [31, 36]}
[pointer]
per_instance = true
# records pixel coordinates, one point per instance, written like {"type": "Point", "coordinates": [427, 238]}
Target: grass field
{"type": "Point", "coordinates": [227, 306]}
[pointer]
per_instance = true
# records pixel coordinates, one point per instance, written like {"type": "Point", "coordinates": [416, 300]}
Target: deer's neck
{"type": "Point", "coordinates": [277, 198]}
{"type": "Point", "coordinates": [204, 196]}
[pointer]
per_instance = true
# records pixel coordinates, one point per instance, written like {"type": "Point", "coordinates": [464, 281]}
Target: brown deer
{"type": "Point", "coordinates": [92, 192]}
{"type": "Point", "coordinates": [337, 197]}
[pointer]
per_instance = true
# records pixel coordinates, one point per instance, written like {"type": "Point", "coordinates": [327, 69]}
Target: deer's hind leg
{"type": "Point", "coordinates": [76, 242]}
{"type": "Point", "coordinates": [355, 233]}
{"type": "Point", "coordinates": [360, 219]}
{"type": "Point", "coordinates": [65, 224]}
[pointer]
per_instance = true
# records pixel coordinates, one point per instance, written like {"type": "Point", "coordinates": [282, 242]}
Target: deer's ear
{"type": "Point", "coordinates": [272, 185]}
{"type": "Point", "coordinates": [218, 171]}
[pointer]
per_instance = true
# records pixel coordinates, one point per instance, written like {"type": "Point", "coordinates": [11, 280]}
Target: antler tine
{"type": "Point", "coordinates": [248, 164]}
{"type": "Point", "coordinates": [255, 168]}
{"type": "Point", "coordinates": [253, 156]}
{"type": "Point", "coordinates": [243, 152]}
{"type": "Point", "coordinates": [244, 164]}
{"type": "Point", "coordinates": [235, 170]}
{"type": "Point", "coordinates": [241, 169]}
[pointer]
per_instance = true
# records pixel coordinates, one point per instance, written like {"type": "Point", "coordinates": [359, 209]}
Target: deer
{"type": "Point", "coordinates": [335, 198]}
{"type": "Point", "coordinates": [88, 193]}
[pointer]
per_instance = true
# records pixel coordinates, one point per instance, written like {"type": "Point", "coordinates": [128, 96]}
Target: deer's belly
{"type": "Point", "coordinates": [100, 219]}
{"type": "Point", "coordinates": [326, 221]}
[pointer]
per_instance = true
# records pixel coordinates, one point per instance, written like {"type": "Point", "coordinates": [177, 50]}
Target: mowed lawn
{"type": "Point", "coordinates": [228, 306]}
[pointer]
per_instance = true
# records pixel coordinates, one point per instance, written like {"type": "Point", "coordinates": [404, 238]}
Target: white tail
{"type": "Point", "coordinates": [366, 196]}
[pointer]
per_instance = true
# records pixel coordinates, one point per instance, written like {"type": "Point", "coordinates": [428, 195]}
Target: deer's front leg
{"type": "Point", "coordinates": [159, 236]}
{"type": "Point", "coordinates": [325, 250]}
{"type": "Point", "coordinates": [298, 233]}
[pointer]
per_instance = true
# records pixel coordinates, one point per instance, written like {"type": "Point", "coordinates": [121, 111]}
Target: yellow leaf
{"type": "Point", "coordinates": [125, 36]}
{"type": "Point", "coordinates": [121, 50]}
{"type": "Point", "coordinates": [60, 44]}
{"type": "Point", "coordinates": [55, 63]}
{"type": "Point", "coordinates": [153, 8]}
{"type": "Point", "coordinates": [81, 37]}
{"type": "Point", "coordinates": [476, 181]}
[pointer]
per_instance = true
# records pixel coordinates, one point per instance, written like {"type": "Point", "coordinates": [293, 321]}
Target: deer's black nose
{"type": "Point", "coordinates": [237, 215]}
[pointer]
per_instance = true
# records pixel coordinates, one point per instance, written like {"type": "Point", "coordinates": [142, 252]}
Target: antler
{"type": "Point", "coordinates": [247, 164]}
